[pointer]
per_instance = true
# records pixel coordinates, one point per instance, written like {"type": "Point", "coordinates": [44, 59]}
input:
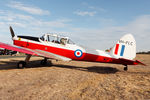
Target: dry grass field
{"type": "Point", "coordinates": [74, 80]}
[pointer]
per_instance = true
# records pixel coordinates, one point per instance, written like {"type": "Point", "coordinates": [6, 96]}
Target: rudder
{"type": "Point", "coordinates": [125, 48]}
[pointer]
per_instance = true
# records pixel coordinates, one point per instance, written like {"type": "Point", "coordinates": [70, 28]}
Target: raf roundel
{"type": "Point", "coordinates": [78, 53]}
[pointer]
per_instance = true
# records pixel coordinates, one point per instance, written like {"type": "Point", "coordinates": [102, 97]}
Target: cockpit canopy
{"type": "Point", "coordinates": [56, 39]}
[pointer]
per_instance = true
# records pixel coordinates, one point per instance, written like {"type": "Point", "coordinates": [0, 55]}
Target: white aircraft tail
{"type": "Point", "coordinates": [125, 48]}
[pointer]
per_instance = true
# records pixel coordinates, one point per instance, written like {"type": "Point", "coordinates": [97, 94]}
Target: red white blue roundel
{"type": "Point", "coordinates": [78, 53]}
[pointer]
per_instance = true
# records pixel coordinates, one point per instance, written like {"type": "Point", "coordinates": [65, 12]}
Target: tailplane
{"type": "Point", "coordinates": [125, 48]}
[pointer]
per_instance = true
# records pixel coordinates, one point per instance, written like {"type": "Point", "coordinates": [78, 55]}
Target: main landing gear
{"type": "Point", "coordinates": [126, 68]}
{"type": "Point", "coordinates": [44, 62]}
{"type": "Point", "coordinates": [22, 64]}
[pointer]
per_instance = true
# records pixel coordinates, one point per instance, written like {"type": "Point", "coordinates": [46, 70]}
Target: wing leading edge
{"type": "Point", "coordinates": [34, 52]}
{"type": "Point", "coordinates": [15, 48]}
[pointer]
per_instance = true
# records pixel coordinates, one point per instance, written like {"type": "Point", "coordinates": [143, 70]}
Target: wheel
{"type": "Point", "coordinates": [125, 68]}
{"type": "Point", "coordinates": [21, 64]}
{"type": "Point", "coordinates": [43, 62]}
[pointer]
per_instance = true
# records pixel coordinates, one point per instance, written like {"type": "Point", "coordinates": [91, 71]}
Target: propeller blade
{"type": "Point", "coordinates": [11, 31]}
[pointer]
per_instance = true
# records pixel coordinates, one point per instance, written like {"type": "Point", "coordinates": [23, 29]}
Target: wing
{"type": "Point", "coordinates": [34, 52]}
{"type": "Point", "coordinates": [15, 48]}
{"type": "Point", "coordinates": [51, 55]}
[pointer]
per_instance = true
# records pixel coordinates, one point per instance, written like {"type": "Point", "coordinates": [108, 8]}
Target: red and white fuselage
{"type": "Point", "coordinates": [62, 48]}
{"type": "Point", "coordinates": [72, 51]}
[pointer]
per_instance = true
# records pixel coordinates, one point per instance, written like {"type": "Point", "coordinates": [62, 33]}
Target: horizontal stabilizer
{"type": "Point", "coordinates": [131, 62]}
{"type": "Point", "coordinates": [138, 62]}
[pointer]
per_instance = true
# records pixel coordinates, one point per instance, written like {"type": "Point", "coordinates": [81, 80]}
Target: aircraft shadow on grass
{"type": "Point", "coordinates": [8, 65]}
{"type": "Point", "coordinates": [95, 69]}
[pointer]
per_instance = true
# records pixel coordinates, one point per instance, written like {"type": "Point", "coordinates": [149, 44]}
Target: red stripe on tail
{"type": "Point", "coordinates": [116, 49]}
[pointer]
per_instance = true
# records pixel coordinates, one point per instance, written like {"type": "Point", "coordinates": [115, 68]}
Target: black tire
{"type": "Point", "coordinates": [125, 68]}
{"type": "Point", "coordinates": [21, 64]}
{"type": "Point", "coordinates": [43, 62]}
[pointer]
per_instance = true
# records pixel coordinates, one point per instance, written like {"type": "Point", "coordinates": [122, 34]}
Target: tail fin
{"type": "Point", "coordinates": [12, 32]}
{"type": "Point", "coordinates": [125, 48]}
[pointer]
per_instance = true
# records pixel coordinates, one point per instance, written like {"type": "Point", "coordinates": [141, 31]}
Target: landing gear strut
{"type": "Point", "coordinates": [22, 64]}
{"type": "Point", "coordinates": [125, 68]}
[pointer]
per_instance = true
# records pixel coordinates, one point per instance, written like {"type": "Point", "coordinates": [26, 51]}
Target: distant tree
{"type": "Point", "coordinates": [143, 52]}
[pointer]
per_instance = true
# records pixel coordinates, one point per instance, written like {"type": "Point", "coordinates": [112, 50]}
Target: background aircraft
{"type": "Point", "coordinates": [62, 48]}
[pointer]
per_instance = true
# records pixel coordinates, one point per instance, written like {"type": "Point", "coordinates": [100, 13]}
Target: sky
{"type": "Point", "coordinates": [95, 24]}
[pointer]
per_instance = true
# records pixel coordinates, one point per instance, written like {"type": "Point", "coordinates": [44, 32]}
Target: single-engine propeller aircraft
{"type": "Point", "coordinates": [62, 48]}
